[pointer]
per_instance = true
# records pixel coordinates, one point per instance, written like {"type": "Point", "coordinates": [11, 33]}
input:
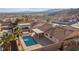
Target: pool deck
{"type": "Point", "coordinates": [33, 47]}
{"type": "Point", "coordinates": [43, 41]}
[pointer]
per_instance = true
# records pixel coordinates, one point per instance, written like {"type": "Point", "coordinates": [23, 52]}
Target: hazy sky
{"type": "Point", "coordinates": [22, 9]}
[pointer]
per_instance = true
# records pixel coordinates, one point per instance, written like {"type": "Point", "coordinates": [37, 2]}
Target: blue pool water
{"type": "Point", "coordinates": [29, 40]}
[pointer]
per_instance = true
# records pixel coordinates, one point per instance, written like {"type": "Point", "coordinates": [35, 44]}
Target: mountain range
{"type": "Point", "coordinates": [49, 12]}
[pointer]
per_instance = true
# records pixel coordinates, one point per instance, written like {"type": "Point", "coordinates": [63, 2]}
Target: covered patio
{"type": "Point", "coordinates": [44, 41]}
{"type": "Point", "coordinates": [38, 32]}
{"type": "Point", "coordinates": [40, 38]}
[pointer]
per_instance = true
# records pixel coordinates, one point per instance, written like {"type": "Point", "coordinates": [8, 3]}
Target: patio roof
{"type": "Point", "coordinates": [5, 30]}
{"type": "Point", "coordinates": [21, 24]}
{"type": "Point", "coordinates": [73, 35]}
{"type": "Point", "coordinates": [37, 30]}
{"type": "Point", "coordinates": [45, 27]}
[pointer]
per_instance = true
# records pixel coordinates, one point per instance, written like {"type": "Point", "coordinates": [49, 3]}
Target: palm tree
{"type": "Point", "coordinates": [6, 41]}
{"type": "Point", "coordinates": [17, 31]}
{"type": "Point", "coordinates": [14, 26]}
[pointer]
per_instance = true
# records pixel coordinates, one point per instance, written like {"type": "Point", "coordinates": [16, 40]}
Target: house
{"type": "Point", "coordinates": [36, 24]}
{"type": "Point", "coordinates": [58, 33]}
{"type": "Point", "coordinates": [72, 41]}
{"type": "Point", "coordinates": [5, 26]}
{"type": "Point", "coordinates": [24, 25]}
{"type": "Point", "coordinates": [0, 27]}
{"type": "Point", "coordinates": [41, 28]}
{"type": "Point", "coordinates": [45, 27]}
{"type": "Point", "coordinates": [76, 25]}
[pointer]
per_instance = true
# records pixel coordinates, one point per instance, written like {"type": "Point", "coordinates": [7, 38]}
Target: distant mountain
{"type": "Point", "coordinates": [52, 11]}
{"type": "Point", "coordinates": [66, 11]}
{"type": "Point", "coordinates": [49, 12]}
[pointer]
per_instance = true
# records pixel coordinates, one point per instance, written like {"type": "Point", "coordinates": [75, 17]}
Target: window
{"type": "Point", "coordinates": [46, 34]}
{"type": "Point", "coordinates": [50, 36]}
{"type": "Point", "coordinates": [78, 43]}
{"type": "Point", "coordinates": [72, 42]}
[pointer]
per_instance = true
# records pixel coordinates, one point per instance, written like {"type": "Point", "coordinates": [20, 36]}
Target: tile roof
{"type": "Point", "coordinates": [50, 31]}
{"type": "Point", "coordinates": [60, 32]}
{"type": "Point", "coordinates": [45, 27]}
{"type": "Point", "coordinates": [37, 25]}
{"type": "Point", "coordinates": [5, 24]}
{"type": "Point", "coordinates": [68, 28]}
{"type": "Point", "coordinates": [73, 35]}
{"type": "Point", "coordinates": [34, 23]}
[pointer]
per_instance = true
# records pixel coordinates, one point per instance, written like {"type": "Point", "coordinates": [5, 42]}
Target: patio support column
{"type": "Point", "coordinates": [38, 35]}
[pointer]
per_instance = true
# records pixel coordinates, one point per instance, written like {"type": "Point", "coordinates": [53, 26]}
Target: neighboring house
{"type": "Point", "coordinates": [0, 27]}
{"type": "Point", "coordinates": [5, 26]}
{"type": "Point", "coordinates": [24, 25]}
{"type": "Point", "coordinates": [72, 41]}
{"type": "Point", "coordinates": [59, 32]}
{"type": "Point", "coordinates": [76, 25]}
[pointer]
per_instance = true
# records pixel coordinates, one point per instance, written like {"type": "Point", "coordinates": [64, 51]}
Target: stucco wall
{"type": "Point", "coordinates": [52, 47]}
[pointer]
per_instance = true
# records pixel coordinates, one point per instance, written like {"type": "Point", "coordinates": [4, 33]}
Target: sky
{"type": "Point", "coordinates": [22, 9]}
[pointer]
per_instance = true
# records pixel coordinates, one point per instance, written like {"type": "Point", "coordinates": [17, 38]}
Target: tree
{"type": "Point", "coordinates": [14, 24]}
{"type": "Point", "coordinates": [17, 31]}
{"type": "Point", "coordinates": [6, 41]}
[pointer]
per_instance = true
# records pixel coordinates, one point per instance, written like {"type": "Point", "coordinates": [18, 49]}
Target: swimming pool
{"type": "Point", "coordinates": [29, 41]}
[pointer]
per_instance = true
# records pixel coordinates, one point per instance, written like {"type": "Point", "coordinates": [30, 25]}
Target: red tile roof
{"type": "Point", "coordinates": [45, 27]}
{"type": "Point", "coordinates": [60, 32]}
{"type": "Point", "coordinates": [68, 28]}
{"type": "Point", "coordinates": [73, 35]}
{"type": "Point", "coordinates": [34, 23]}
